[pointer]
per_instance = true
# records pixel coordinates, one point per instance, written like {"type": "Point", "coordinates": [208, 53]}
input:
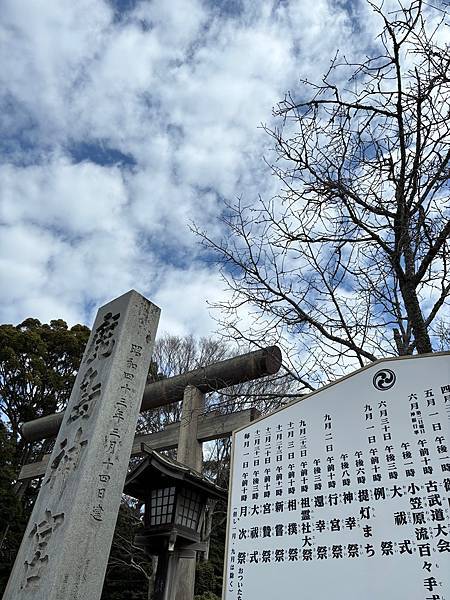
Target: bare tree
{"type": "Point", "coordinates": [130, 570]}
{"type": "Point", "coordinates": [442, 333]}
{"type": "Point", "coordinates": [174, 355]}
{"type": "Point", "coordinates": [349, 262]}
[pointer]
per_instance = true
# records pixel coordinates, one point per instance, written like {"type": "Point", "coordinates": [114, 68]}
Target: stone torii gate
{"type": "Point", "coordinates": [188, 435]}
{"type": "Point", "coordinates": [209, 426]}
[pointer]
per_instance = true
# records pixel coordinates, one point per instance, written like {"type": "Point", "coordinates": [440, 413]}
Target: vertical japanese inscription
{"type": "Point", "coordinates": [66, 461]}
{"type": "Point", "coordinates": [374, 469]}
{"type": "Point", "coordinates": [72, 447]}
{"type": "Point", "coordinates": [39, 538]}
{"type": "Point", "coordinates": [103, 341]}
{"type": "Point", "coordinates": [90, 390]}
{"type": "Point", "coordinates": [126, 396]}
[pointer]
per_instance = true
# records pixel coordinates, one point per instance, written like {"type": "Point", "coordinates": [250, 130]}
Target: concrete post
{"type": "Point", "coordinates": [190, 454]}
{"type": "Point", "coordinates": [65, 549]}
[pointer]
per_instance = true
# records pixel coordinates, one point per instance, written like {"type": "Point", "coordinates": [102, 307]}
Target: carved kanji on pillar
{"type": "Point", "coordinates": [39, 538]}
{"type": "Point", "coordinates": [103, 342]}
{"type": "Point", "coordinates": [90, 389]}
{"type": "Point", "coordinates": [65, 554]}
{"type": "Point", "coordinates": [66, 461]}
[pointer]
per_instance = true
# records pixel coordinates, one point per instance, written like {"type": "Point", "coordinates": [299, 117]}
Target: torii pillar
{"type": "Point", "coordinates": [189, 453]}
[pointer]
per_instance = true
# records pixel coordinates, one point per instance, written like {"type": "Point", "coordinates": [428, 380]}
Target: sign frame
{"type": "Point", "coordinates": [372, 365]}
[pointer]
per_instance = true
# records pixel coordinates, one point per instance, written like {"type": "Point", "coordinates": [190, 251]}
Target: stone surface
{"type": "Point", "coordinates": [238, 369]}
{"type": "Point", "coordinates": [189, 450]}
{"type": "Point", "coordinates": [211, 426]}
{"type": "Point", "coordinates": [189, 453]}
{"type": "Point", "coordinates": [66, 545]}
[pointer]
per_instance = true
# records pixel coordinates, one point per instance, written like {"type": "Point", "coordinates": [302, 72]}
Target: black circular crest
{"type": "Point", "coordinates": [383, 380]}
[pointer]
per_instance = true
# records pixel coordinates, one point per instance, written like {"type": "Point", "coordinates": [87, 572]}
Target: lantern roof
{"type": "Point", "coordinates": [156, 466]}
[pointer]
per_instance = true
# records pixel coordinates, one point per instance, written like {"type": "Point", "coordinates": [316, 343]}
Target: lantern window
{"type": "Point", "coordinates": [161, 506]}
{"type": "Point", "coordinates": [189, 508]}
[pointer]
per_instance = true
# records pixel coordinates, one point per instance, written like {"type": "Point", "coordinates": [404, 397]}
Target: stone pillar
{"type": "Point", "coordinates": [190, 454]}
{"type": "Point", "coordinates": [65, 549]}
{"type": "Point", "coordinates": [189, 450]}
{"type": "Point", "coordinates": [166, 577]}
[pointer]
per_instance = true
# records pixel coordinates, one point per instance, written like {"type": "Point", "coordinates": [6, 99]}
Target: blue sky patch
{"type": "Point", "coordinates": [100, 155]}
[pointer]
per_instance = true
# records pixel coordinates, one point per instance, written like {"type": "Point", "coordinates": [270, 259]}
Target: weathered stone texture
{"type": "Point", "coordinates": [65, 549]}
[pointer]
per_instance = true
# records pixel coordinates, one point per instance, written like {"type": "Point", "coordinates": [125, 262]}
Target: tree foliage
{"type": "Point", "coordinates": [38, 366]}
{"type": "Point", "coordinates": [350, 261]}
{"type": "Point", "coordinates": [175, 355]}
{"type": "Point", "coordinates": [12, 513]}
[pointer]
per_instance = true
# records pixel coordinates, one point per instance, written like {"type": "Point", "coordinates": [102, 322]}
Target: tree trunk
{"type": "Point", "coordinates": [415, 317]}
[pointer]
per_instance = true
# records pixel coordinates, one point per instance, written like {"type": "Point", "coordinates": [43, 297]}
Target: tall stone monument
{"type": "Point", "coordinates": [65, 549]}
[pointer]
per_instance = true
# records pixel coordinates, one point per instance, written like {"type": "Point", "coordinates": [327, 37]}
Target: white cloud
{"type": "Point", "coordinates": [180, 86]}
{"type": "Point", "coordinates": [183, 295]}
{"type": "Point", "coordinates": [77, 199]}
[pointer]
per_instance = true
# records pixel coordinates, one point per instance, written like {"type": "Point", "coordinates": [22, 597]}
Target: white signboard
{"type": "Point", "coordinates": [346, 494]}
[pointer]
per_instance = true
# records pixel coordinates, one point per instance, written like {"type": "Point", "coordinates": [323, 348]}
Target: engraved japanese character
{"type": "Point", "coordinates": [39, 537]}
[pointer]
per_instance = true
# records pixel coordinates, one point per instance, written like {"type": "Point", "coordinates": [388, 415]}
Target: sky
{"type": "Point", "coordinates": [123, 122]}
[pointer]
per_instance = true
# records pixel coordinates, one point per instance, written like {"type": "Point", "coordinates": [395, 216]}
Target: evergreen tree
{"type": "Point", "coordinates": [38, 366]}
{"type": "Point", "coordinates": [12, 517]}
